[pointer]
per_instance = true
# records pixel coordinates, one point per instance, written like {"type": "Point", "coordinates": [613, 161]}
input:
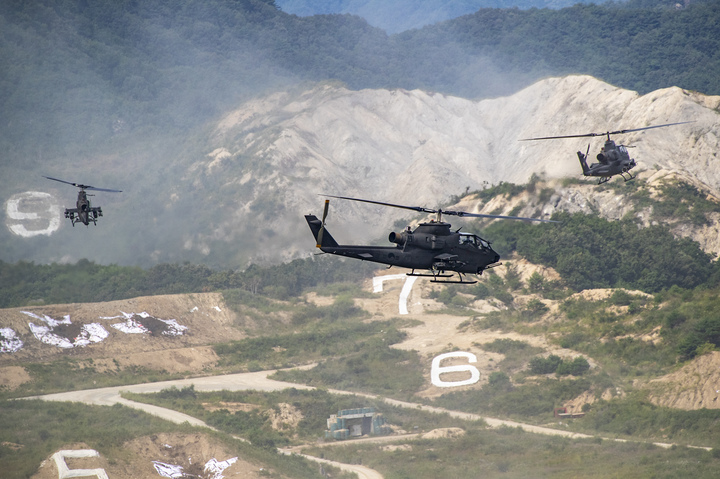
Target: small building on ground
{"type": "Point", "coordinates": [356, 423]}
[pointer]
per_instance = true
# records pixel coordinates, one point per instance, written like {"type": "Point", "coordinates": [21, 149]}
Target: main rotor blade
{"type": "Point", "coordinates": [443, 212]}
{"type": "Point", "coordinates": [563, 136]}
{"type": "Point", "coordinates": [102, 189]}
{"type": "Point", "coordinates": [83, 187]}
{"type": "Point", "coordinates": [414, 208]}
{"type": "Point", "coordinates": [481, 215]}
{"type": "Point", "coordinates": [618, 132]}
{"type": "Point", "coordinates": [648, 127]}
{"type": "Point", "coordinates": [66, 182]}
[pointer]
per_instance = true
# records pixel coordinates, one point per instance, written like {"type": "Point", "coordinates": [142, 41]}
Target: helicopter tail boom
{"type": "Point", "coordinates": [324, 240]}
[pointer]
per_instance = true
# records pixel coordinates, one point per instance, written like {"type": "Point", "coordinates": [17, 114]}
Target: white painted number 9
{"type": "Point", "coordinates": [32, 213]}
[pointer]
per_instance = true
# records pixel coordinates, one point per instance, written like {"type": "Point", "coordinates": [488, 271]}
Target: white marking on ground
{"type": "Point", "coordinates": [405, 293]}
{"type": "Point", "coordinates": [379, 280]}
{"type": "Point", "coordinates": [9, 341]}
{"type": "Point", "coordinates": [65, 472]}
{"type": "Point", "coordinates": [32, 213]}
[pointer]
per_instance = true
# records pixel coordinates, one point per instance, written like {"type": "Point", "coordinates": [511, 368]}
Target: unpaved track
{"type": "Point", "coordinates": [259, 381]}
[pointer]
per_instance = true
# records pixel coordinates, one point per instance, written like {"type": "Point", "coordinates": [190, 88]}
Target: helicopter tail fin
{"type": "Point", "coordinates": [583, 161]}
{"type": "Point", "coordinates": [317, 226]}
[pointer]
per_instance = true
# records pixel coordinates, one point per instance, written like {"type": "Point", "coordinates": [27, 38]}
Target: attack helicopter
{"type": "Point", "coordinates": [84, 211]}
{"type": "Point", "coordinates": [613, 159]}
{"type": "Point", "coordinates": [432, 246]}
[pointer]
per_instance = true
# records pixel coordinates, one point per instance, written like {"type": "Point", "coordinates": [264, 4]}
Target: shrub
{"type": "Point", "coordinates": [576, 367]}
{"type": "Point", "coordinates": [534, 309]}
{"type": "Point", "coordinates": [548, 365]}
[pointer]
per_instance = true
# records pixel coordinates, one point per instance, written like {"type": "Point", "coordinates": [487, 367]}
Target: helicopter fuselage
{"type": "Point", "coordinates": [431, 246]}
{"type": "Point", "coordinates": [84, 212]}
{"type": "Point", "coordinates": [612, 160]}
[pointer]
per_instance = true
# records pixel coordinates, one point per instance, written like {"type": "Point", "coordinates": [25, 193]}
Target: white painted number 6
{"type": "Point", "coordinates": [437, 370]}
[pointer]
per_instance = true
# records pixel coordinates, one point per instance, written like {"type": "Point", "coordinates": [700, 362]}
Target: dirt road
{"type": "Point", "coordinates": [259, 381]}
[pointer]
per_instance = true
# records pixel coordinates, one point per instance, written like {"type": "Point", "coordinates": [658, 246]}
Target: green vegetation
{"type": "Point", "coordinates": [677, 201]}
{"type": "Point", "coordinates": [512, 453]}
{"type": "Point", "coordinates": [313, 343]}
{"type": "Point", "coordinates": [531, 401]}
{"type": "Point", "coordinates": [517, 353]}
{"type": "Point", "coordinates": [507, 451]}
{"type": "Point", "coordinates": [24, 284]}
{"type": "Point", "coordinates": [637, 417]}
{"type": "Point", "coordinates": [40, 428]}
{"type": "Point", "coordinates": [311, 407]}
{"type": "Point", "coordinates": [629, 335]}
{"type": "Point", "coordinates": [143, 66]}
{"type": "Point", "coordinates": [367, 364]}
{"type": "Point", "coordinates": [555, 364]}
{"type": "Point", "coordinates": [69, 374]}
{"type": "Point", "coordinates": [686, 320]}
{"type": "Point", "coordinates": [591, 252]}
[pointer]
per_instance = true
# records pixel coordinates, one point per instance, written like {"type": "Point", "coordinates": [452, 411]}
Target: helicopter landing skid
{"type": "Point", "coordinates": [604, 179]}
{"type": "Point", "coordinates": [428, 275]}
{"type": "Point", "coordinates": [435, 277]}
{"type": "Point", "coordinates": [460, 280]}
{"type": "Point", "coordinates": [628, 179]}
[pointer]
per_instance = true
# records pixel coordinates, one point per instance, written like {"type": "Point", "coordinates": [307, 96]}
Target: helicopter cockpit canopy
{"type": "Point", "coordinates": [474, 240]}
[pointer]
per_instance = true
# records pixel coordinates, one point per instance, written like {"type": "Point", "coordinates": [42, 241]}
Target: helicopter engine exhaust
{"type": "Point", "coordinates": [398, 238]}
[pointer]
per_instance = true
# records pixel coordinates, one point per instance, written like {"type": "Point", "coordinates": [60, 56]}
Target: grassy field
{"type": "Point", "coordinates": [511, 453]}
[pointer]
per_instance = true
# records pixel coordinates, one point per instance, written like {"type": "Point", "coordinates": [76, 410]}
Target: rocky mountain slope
{"type": "Point", "coordinates": [274, 155]}
{"type": "Point", "coordinates": [240, 191]}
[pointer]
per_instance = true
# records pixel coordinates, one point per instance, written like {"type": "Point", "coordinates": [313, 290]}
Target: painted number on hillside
{"type": "Point", "coordinates": [437, 370]}
{"type": "Point", "coordinates": [65, 472]}
{"type": "Point", "coordinates": [32, 213]}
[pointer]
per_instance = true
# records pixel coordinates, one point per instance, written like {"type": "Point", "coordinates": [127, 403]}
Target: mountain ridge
{"type": "Point", "coordinates": [419, 148]}
{"type": "Point", "coordinates": [238, 191]}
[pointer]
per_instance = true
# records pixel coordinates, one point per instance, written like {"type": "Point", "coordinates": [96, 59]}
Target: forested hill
{"type": "Point", "coordinates": [77, 74]}
{"type": "Point", "coordinates": [401, 15]}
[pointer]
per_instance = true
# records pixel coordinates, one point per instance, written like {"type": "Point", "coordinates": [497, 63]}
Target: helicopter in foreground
{"type": "Point", "coordinates": [432, 246]}
{"type": "Point", "coordinates": [613, 159]}
{"type": "Point", "coordinates": [83, 212]}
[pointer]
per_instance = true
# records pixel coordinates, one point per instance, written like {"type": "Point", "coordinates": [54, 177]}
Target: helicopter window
{"type": "Point", "coordinates": [468, 239]}
{"type": "Point", "coordinates": [622, 149]}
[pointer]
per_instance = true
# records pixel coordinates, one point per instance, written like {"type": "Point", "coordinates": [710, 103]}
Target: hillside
{"type": "Point", "coordinates": [94, 80]}
{"type": "Point", "coordinates": [505, 338]}
{"type": "Point", "coordinates": [114, 87]}
{"type": "Point", "coordinates": [240, 193]}
{"type": "Point", "coordinates": [398, 16]}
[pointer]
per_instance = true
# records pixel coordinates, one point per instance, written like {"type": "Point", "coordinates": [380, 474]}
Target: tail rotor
{"type": "Point", "coordinates": [322, 225]}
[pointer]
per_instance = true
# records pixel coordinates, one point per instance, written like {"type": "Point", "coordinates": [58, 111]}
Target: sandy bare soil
{"type": "Point", "coordinates": [694, 386]}
{"type": "Point", "coordinates": [206, 318]}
